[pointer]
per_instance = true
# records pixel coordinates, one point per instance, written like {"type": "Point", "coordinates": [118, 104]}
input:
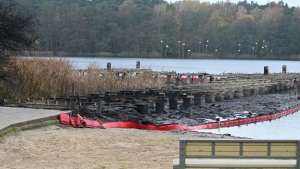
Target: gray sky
{"type": "Point", "coordinates": [290, 3]}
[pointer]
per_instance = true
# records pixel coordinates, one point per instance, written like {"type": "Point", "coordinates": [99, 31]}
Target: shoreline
{"type": "Point", "coordinates": [59, 146]}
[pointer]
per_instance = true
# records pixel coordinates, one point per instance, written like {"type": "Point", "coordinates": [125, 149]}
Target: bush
{"type": "Point", "coordinates": [52, 78]}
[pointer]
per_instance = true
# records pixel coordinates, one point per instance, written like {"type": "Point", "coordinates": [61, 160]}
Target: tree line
{"type": "Point", "coordinates": [156, 28]}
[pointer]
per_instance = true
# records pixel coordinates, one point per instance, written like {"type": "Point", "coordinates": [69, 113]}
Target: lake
{"type": "Point", "coordinates": [284, 128]}
{"type": "Point", "coordinates": [212, 66]}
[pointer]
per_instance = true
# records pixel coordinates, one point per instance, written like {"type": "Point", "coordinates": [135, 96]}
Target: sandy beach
{"type": "Point", "coordinates": [59, 146]}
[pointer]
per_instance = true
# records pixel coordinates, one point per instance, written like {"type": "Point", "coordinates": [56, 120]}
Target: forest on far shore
{"type": "Point", "coordinates": [183, 29]}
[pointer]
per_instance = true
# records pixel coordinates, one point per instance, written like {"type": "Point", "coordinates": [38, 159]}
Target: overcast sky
{"type": "Point", "coordinates": [290, 3]}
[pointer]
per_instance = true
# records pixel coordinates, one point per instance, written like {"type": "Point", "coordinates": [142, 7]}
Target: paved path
{"type": "Point", "coordinates": [17, 117]}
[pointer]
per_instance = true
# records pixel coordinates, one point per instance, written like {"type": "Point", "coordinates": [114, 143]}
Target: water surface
{"type": "Point", "coordinates": [286, 127]}
{"type": "Point", "coordinates": [212, 66]}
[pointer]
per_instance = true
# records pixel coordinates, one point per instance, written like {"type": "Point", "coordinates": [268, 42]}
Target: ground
{"type": "Point", "coordinates": [59, 146]}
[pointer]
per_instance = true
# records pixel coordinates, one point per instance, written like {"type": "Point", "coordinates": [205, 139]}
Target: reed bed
{"type": "Point", "coordinates": [38, 78]}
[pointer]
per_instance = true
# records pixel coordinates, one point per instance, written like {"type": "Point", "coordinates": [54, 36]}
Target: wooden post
{"type": "Point", "coordinates": [168, 79]}
{"type": "Point", "coordinates": [266, 70]}
{"type": "Point", "coordinates": [200, 78]}
{"type": "Point", "coordinates": [72, 106]}
{"type": "Point", "coordinates": [188, 79]}
{"type": "Point", "coordinates": [172, 103]}
{"type": "Point", "coordinates": [284, 69]}
{"type": "Point", "coordinates": [177, 80]}
{"type": "Point", "coordinates": [159, 106]}
{"type": "Point", "coordinates": [108, 66]}
{"type": "Point", "coordinates": [186, 103]}
{"type": "Point", "coordinates": [138, 64]}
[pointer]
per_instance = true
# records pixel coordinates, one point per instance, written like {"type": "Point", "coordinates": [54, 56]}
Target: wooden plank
{"type": "Point", "coordinates": [284, 148]}
{"type": "Point", "coordinates": [225, 154]}
{"type": "Point", "coordinates": [227, 148]}
{"type": "Point", "coordinates": [284, 154]}
{"type": "Point", "coordinates": [255, 148]}
{"type": "Point", "coordinates": [199, 153]}
{"type": "Point", "coordinates": [255, 144]}
{"type": "Point", "coordinates": [253, 153]}
{"type": "Point", "coordinates": [284, 144]}
{"type": "Point", "coordinates": [198, 148]}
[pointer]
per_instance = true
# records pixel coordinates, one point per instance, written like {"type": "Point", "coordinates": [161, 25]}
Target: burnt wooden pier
{"type": "Point", "coordinates": [176, 94]}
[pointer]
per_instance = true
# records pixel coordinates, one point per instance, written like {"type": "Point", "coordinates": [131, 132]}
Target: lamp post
{"type": "Point", "coordinates": [179, 48]}
{"type": "Point", "coordinates": [161, 48]}
{"type": "Point", "coordinates": [206, 45]}
{"type": "Point", "coordinates": [239, 49]}
{"type": "Point", "coordinates": [199, 46]}
{"type": "Point", "coordinates": [255, 48]}
{"type": "Point", "coordinates": [271, 52]}
{"type": "Point", "coordinates": [189, 53]}
{"type": "Point", "coordinates": [166, 51]}
{"type": "Point", "coordinates": [267, 49]}
{"type": "Point", "coordinates": [183, 44]}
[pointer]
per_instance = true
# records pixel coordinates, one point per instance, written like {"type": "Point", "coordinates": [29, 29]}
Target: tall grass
{"type": "Point", "coordinates": [52, 78]}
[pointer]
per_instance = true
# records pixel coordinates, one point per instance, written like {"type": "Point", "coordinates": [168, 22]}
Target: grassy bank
{"type": "Point", "coordinates": [38, 78]}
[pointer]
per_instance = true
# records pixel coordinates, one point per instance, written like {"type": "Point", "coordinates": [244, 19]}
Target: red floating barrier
{"type": "Point", "coordinates": [252, 120]}
{"type": "Point", "coordinates": [183, 79]}
{"type": "Point", "coordinates": [78, 121]}
{"type": "Point", "coordinates": [87, 123]}
{"type": "Point", "coordinates": [231, 123]}
{"type": "Point", "coordinates": [72, 122]}
{"type": "Point", "coordinates": [243, 121]}
{"type": "Point", "coordinates": [64, 119]}
{"type": "Point", "coordinates": [224, 124]}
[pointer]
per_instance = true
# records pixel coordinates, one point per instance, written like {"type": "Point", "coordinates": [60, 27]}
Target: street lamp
{"type": "Point", "coordinates": [267, 50]}
{"type": "Point", "coordinates": [199, 46]}
{"type": "Point", "coordinates": [179, 48]}
{"type": "Point", "coordinates": [255, 47]}
{"type": "Point", "coordinates": [161, 48]}
{"type": "Point", "coordinates": [206, 45]}
{"type": "Point", "coordinates": [183, 44]}
{"type": "Point", "coordinates": [166, 51]}
{"type": "Point", "coordinates": [253, 50]}
{"type": "Point", "coordinates": [189, 53]}
{"type": "Point", "coordinates": [271, 52]}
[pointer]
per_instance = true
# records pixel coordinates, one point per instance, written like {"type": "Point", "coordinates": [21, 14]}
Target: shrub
{"type": "Point", "coordinates": [52, 78]}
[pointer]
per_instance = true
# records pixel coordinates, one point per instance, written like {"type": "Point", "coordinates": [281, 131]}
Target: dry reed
{"type": "Point", "coordinates": [53, 77]}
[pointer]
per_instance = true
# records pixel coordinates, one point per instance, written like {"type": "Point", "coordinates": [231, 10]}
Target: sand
{"type": "Point", "coordinates": [59, 146]}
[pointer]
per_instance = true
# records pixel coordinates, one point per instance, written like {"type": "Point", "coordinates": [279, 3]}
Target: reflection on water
{"type": "Point", "coordinates": [287, 127]}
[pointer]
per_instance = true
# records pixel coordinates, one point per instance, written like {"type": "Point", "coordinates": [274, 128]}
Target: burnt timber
{"type": "Point", "coordinates": [225, 96]}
